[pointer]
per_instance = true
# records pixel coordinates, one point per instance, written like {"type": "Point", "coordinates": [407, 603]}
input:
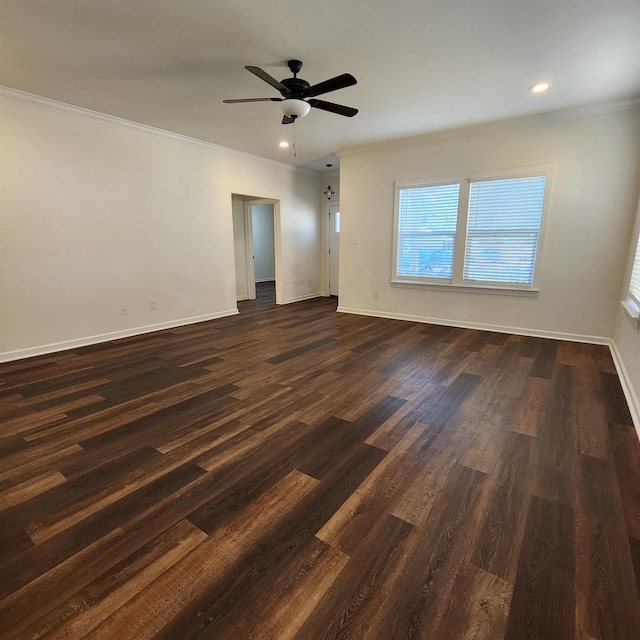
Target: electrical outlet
{"type": "Point", "coordinates": [376, 294]}
{"type": "Point", "coordinates": [124, 310]}
{"type": "Point", "coordinates": [153, 306]}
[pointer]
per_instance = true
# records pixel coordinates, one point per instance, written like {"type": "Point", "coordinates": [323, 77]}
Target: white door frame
{"type": "Point", "coordinates": [332, 207]}
{"type": "Point", "coordinates": [248, 240]}
{"type": "Point", "coordinates": [277, 248]}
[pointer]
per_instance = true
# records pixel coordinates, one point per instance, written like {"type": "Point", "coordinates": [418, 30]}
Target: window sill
{"type": "Point", "coordinates": [467, 288]}
{"type": "Point", "coordinates": [632, 311]}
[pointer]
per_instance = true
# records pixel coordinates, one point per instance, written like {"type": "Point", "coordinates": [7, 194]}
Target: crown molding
{"type": "Point", "coordinates": [537, 119]}
{"type": "Point", "coordinates": [80, 112]}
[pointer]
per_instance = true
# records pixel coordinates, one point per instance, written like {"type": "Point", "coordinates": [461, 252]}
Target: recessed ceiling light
{"type": "Point", "coordinates": [284, 144]}
{"type": "Point", "coordinates": [539, 87]}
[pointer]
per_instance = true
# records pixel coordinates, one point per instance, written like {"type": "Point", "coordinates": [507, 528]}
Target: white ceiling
{"type": "Point", "coordinates": [422, 65]}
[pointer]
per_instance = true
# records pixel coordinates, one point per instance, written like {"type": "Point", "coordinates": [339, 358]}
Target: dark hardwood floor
{"type": "Point", "coordinates": [297, 473]}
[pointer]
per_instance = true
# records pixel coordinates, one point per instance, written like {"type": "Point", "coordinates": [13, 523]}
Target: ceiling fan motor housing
{"type": "Point", "coordinates": [297, 86]}
{"type": "Point", "coordinates": [295, 106]}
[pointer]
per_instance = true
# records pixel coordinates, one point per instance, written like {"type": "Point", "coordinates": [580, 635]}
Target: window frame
{"type": "Point", "coordinates": [457, 281]}
{"type": "Point", "coordinates": [396, 231]}
{"type": "Point", "coordinates": [630, 304]}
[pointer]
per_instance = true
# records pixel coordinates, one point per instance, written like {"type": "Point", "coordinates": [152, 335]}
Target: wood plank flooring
{"type": "Point", "coordinates": [297, 474]}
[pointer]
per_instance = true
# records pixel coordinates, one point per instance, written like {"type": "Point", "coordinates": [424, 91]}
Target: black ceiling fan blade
{"type": "Point", "coordinates": [333, 84]}
{"type": "Point", "coordinates": [288, 120]}
{"type": "Point", "coordinates": [263, 75]}
{"type": "Point", "coordinates": [253, 100]}
{"type": "Point", "coordinates": [340, 109]}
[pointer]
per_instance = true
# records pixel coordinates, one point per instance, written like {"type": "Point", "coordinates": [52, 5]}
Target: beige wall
{"type": "Point", "coordinates": [592, 200]}
{"type": "Point", "coordinates": [96, 215]}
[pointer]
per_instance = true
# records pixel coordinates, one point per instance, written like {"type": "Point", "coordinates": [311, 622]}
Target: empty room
{"type": "Point", "coordinates": [319, 319]}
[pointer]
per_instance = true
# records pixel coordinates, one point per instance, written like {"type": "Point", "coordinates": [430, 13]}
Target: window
{"type": "Point", "coordinates": [475, 231]}
{"type": "Point", "coordinates": [634, 285]}
{"type": "Point", "coordinates": [427, 230]}
{"type": "Point", "coordinates": [632, 303]}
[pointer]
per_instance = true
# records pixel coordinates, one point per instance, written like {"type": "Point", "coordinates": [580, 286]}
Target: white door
{"type": "Point", "coordinates": [334, 244]}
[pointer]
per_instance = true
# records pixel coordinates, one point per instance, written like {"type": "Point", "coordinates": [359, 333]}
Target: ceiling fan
{"type": "Point", "coordinates": [298, 96]}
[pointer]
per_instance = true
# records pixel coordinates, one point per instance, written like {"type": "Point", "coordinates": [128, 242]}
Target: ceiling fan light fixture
{"type": "Point", "coordinates": [295, 108]}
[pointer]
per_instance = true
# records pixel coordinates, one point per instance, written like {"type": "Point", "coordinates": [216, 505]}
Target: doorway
{"type": "Point", "coordinates": [333, 237]}
{"type": "Point", "coordinates": [256, 235]}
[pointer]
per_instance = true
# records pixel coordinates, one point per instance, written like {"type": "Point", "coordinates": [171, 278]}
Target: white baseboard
{"type": "Point", "coordinates": [306, 296]}
{"type": "Point", "coordinates": [627, 387]}
{"type": "Point", "coordinates": [8, 356]}
{"type": "Point", "coordinates": [536, 333]}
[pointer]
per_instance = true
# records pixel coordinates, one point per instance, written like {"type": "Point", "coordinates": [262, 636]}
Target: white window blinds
{"type": "Point", "coordinates": [427, 219]}
{"type": "Point", "coordinates": [503, 225]}
{"type": "Point", "coordinates": [480, 230]}
{"type": "Point", "coordinates": [634, 285]}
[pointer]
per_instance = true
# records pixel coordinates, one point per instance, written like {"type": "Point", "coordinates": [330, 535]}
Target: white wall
{"type": "Point", "coordinates": [97, 214]}
{"type": "Point", "coordinates": [626, 338]}
{"type": "Point", "coordinates": [263, 242]}
{"type": "Point", "coordinates": [593, 196]}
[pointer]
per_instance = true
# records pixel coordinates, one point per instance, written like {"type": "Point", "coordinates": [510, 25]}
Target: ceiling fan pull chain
{"type": "Point", "coordinates": [295, 151]}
